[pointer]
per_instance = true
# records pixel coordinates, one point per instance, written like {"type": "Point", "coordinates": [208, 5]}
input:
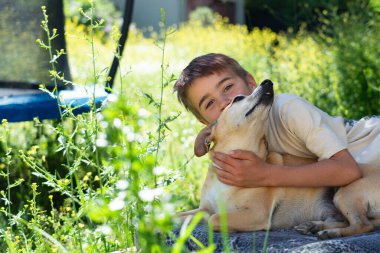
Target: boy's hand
{"type": "Point", "coordinates": [240, 168]}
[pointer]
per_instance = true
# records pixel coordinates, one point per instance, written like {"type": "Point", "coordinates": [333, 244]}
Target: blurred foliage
{"type": "Point", "coordinates": [352, 38]}
{"type": "Point", "coordinates": [203, 14]}
{"type": "Point", "coordinates": [282, 15]}
{"type": "Point", "coordinates": [103, 10]}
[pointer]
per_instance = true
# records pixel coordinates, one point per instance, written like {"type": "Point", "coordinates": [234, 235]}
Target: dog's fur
{"type": "Point", "coordinates": [242, 126]}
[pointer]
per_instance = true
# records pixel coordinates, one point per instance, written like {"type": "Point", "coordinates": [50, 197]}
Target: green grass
{"type": "Point", "coordinates": [111, 180]}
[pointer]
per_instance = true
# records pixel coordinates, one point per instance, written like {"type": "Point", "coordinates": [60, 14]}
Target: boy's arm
{"type": "Point", "coordinates": [245, 169]}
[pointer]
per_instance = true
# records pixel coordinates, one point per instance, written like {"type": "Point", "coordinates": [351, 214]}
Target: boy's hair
{"type": "Point", "coordinates": [202, 66]}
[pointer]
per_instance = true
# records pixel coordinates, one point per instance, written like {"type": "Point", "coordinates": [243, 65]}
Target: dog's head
{"type": "Point", "coordinates": [242, 124]}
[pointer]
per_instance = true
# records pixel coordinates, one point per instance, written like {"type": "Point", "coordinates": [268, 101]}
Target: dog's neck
{"type": "Point", "coordinates": [259, 147]}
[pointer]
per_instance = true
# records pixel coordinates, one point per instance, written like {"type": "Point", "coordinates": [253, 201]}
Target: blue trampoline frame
{"type": "Point", "coordinates": [26, 107]}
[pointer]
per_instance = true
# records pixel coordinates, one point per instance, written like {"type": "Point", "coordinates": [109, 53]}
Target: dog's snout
{"type": "Point", "coordinates": [238, 98]}
{"type": "Point", "coordinates": [267, 84]}
{"type": "Point", "coordinates": [267, 89]}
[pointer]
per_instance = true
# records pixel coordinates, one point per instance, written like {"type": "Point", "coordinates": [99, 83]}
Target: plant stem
{"type": "Point", "coordinates": [95, 76]}
{"type": "Point", "coordinates": [164, 36]}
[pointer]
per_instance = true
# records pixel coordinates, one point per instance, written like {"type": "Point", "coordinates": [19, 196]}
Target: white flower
{"type": "Point", "coordinates": [99, 117]}
{"type": "Point", "coordinates": [143, 113]}
{"type": "Point", "coordinates": [116, 204]}
{"type": "Point", "coordinates": [131, 135]}
{"type": "Point", "coordinates": [117, 122]}
{"type": "Point", "coordinates": [101, 143]}
{"type": "Point", "coordinates": [148, 194]}
{"type": "Point", "coordinates": [122, 184]}
{"type": "Point", "coordinates": [104, 229]}
{"type": "Point", "coordinates": [104, 124]}
{"type": "Point", "coordinates": [112, 98]}
{"type": "Point", "coordinates": [140, 122]}
{"type": "Point", "coordinates": [159, 170]}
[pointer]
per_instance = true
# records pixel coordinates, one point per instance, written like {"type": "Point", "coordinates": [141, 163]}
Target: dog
{"type": "Point", "coordinates": [242, 125]}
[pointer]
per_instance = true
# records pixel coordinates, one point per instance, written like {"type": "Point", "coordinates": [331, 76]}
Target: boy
{"type": "Point", "coordinates": [210, 82]}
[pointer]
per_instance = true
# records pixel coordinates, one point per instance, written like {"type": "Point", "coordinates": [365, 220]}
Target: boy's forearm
{"type": "Point", "coordinates": [341, 169]}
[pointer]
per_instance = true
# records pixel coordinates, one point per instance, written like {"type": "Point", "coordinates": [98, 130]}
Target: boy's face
{"type": "Point", "coordinates": [209, 95]}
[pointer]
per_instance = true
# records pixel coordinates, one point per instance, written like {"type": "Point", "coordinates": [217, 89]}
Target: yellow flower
{"type": "Point", "coordinates": [34, 186]}
{"type": "Point", "coordinates": [33, 150]}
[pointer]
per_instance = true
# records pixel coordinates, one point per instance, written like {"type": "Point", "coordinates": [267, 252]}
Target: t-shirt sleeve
{"type": "Point", "coordinates": [321, 134]}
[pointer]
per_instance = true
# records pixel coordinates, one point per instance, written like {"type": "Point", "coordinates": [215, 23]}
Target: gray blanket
{"type": "Point", "coordinates": [284, 241]}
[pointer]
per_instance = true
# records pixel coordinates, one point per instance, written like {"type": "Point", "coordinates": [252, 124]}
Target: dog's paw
{"type": "Point", "coordinates": [329, 234]}
{"type": "Point", "coordinates": [309, 227]}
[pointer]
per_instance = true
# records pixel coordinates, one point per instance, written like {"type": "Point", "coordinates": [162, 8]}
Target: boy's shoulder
{"type": "Point", "coordinates": [287, 106]}
{"type": "Point", "coordinates": [283, 100]}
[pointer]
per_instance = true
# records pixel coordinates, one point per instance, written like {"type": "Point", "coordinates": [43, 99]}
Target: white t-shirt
{"type": "Point", "coordinates": [296, 127]}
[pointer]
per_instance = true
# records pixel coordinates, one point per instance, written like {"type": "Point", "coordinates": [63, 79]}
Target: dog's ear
{"type": "Point", "coordinates": [203, 141]}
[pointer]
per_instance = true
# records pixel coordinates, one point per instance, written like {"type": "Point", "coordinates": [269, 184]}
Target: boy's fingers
{"type": "Point", "coordinates": [242, 154]}
{"type": "Point", "coordinates": [223, 160]}
{"type": "Point", "coordinates": [222, 174]}
{"type": "Point", "coordinates": [227, 181]}
{"type": "Point", "coordinates": [221, 165]}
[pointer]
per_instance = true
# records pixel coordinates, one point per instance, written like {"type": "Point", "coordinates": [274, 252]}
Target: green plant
{"type": "Point", "coordinates": [288, 15]}
{"type": "Point", "coordinates": [352, 38]}
{"type": "Point", "coordinates": [105, 10]}
{"type": "Point", "coordinates": [204, 15]}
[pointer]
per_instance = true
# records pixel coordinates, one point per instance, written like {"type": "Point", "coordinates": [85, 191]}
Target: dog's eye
{"type": "Point", "coordinates": [238, 98]}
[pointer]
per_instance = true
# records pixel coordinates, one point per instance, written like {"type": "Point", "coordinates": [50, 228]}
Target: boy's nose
{"type": "Point", "coordinates": [224, 103]}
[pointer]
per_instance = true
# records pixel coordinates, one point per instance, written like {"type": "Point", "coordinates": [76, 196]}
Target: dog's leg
{"type": "Point", "coordinates": [242, 220]}
{"type": "Point", "coordinates": [354, 205]}
{"type": "Point", "coordinates": [375, 222]}
{"type": "Point", "coordinates": [313, 227]}
{"type": "Point", "coordinates": [358, 224]}
{"type": "Point", "coordinates": [184, 215]}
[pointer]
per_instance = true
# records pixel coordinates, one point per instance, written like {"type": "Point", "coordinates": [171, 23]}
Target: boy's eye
{"type": "Point", "coordinates": [208, 104]}
{"type": "Point", "coordinates": [228, 87]}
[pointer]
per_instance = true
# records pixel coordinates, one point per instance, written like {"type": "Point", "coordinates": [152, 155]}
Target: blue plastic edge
{"type": "Point", "coordinates": [43, 106]}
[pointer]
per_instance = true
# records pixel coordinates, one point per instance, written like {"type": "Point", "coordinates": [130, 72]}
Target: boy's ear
{"type": "Point", "coordinates": [251, 81]}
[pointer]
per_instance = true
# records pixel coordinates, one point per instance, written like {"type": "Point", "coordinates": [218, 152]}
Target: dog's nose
{"type": "Point", "coordinates": [267, 91]}
{"type": "Point", "coordinates": [266, 83]}
{"type": "Point", "coordinates": [267, 87]}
